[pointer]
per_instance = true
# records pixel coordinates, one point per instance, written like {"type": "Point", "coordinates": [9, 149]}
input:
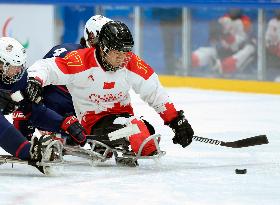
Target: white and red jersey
{"type": "Point", "coordinates": [97, 93]}
{"type": "Point", "coordinates": [272, 36]}
{"type": "Point", "coordinates": [235, 32]}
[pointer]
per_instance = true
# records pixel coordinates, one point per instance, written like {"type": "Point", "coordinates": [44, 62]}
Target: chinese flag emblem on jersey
{"type": "Point", "coordinates": [108, 85]}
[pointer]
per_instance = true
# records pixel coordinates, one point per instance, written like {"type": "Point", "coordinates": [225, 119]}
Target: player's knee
{"type": "Point", "coordinates": [195, 60]}
{"type": "Point", "coordinates": [137, 140]}
{"type": "Point", "coordinates": [229, 65]}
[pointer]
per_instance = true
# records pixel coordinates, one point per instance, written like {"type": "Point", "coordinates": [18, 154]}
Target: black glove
{"type": "Point", "coordinates": [7, 105]}
{"type": "Point", "coordinates": [71, 125]}
{"type": "Point", "coordinates": [182, 129]}
{"type": "Point", "coordinates": [34, 90]}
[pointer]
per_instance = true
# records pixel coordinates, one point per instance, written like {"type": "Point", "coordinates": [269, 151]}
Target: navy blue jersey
{"type": "Point", "coordinates": [55, 97]}
{"type": "Point", "coordinates": [40, 115]}
{"type": "Point", "coordinates": [62, 50]}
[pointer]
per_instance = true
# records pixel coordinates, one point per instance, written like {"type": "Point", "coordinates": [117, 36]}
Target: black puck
{"type": "Point", "coordinates": [240, 171]}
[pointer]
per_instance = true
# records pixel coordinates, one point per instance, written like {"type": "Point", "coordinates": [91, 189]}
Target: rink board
{"type": "Point", "coordinates": [248, 86]}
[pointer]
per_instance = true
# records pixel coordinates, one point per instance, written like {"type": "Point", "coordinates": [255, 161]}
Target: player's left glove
{"type": "Point", "coordinates": [34, 90]}
{"type": "Point", "coordinates": [72, 126]}
{"type": "Point", "coordinates": [182, 129]}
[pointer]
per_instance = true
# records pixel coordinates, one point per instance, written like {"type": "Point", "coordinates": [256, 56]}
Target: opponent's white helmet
{"type": "Point", "coordinates": [12, 55]}
{"type": "Point", "coordinates": [93, 27]}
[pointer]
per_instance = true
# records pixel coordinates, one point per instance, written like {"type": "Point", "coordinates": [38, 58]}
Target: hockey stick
{"type": "Point", "coordinates": [251, 141]}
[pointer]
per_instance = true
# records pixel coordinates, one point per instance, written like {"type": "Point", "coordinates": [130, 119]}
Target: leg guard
{"type": "Point", "coordinates": [229, 65]}
{"type": "Point", "coordinates": [204, 56]}
{"type": "Point", "coordinates": [111, 123]}
{"type": "Point", "coordinates": [137, 139]}
{"type": "Point", "coordinates": [12, 141]}
{"type": "Point", "coordinates": [244, 57]}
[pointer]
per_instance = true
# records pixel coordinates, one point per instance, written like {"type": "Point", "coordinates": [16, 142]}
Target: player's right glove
{"type": "Point", "coordinates": [34, 90]}
{"type": "Point", "coordinates": [72, 126]}
{"type": "Point", "coordinates": [182, 129]}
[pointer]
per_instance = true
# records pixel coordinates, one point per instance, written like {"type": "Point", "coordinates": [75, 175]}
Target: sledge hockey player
{"type": "Point", "coordinates": [272, 43]}
{"type": "Point", "coordinates": [57, 97]}
{"type": "Point", "coordinates": [39, 115]}
{"type": "Point", "coordinates": [231, 49]}
{"type": "Point", "coordinates": [99, 78]}
{"type": "Point", "coordinates": [12, 75]}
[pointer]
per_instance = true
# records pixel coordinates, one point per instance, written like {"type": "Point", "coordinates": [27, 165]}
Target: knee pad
{"type": "Point", "coordinates": [136, 140]}
{"type": "Point", "coordinates": [229, 65]}
{"type": "Point", "coordinates": [195, 61]}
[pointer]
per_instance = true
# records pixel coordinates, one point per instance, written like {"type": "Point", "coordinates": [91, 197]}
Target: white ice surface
{"type": "Point", "coordinates": [199, 174]}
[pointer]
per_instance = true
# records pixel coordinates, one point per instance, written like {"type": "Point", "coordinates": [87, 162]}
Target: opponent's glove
{"type": "Point", "coordinates": [34, 90]}
{"type": "Point", "coordinates": [7, 105]}
{"type": "Point", "coordinates": [72, 126]}
{"type": "Point", "coordinates": [182, 129]}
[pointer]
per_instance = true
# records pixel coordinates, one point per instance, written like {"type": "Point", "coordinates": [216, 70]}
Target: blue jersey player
{"type": "Point", "coordinates": [57, 101]}
{"type": "Point", "coordinates": [12, 80]}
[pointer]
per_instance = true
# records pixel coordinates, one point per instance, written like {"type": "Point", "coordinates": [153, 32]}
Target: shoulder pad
{"type": "Point", "coordinates": [138, 66]}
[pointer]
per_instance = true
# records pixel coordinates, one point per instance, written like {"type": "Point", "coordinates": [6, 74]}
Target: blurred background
{"type": "Point", "coordinates": [209, 39]}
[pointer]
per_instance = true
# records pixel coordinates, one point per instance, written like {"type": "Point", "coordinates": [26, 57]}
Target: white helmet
{"type": "Point", "coordinates": [93, 27]}
{"type": "Point", "coordinates": [12, 54]}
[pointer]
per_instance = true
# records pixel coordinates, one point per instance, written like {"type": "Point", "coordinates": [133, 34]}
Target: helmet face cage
{"type": "Point", "coordinates": [115, 37]}
{"type": "Point", "coordinates": [108, 64]}
{"type": "Point", "coordinates": [12, 60]}
{"type": "Point", "coordinates": [7, 79]}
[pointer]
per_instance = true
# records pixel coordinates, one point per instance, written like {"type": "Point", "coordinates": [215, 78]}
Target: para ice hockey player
{"type": "Point", "coordinates": [99, 78]}
{"type": "Point", "coordinates": [26, 113]}
{"type": "Point", "coordinates": [231, 48]}
{"type": "Point", "coordinates": [12, 78]}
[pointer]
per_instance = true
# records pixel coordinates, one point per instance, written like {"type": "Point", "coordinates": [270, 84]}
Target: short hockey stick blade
{"type": "Point", "coordinates": [251, 141]}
